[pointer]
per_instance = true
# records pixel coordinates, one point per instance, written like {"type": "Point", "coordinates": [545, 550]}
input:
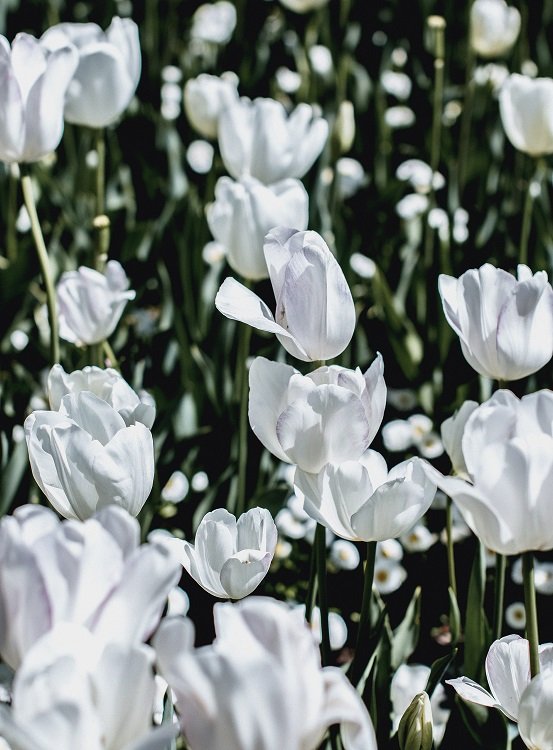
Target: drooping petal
{"type": "Point", "coordinates": [508, 672]}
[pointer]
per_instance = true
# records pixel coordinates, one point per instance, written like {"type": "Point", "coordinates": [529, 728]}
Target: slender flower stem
{"type": "Point", "coordinates": [498, 596]}
{"type": "Point", "coordinates": [101, 222]}
{"type": "Point", "coordinates": [320, 544]}
{"type": "Point", "coordinates": [364, 631]}
{"type": "Point", "coordinates": [450, 550]}
{"type": "Point", "coordinates": [526, 221]}
{"type": "Point", "coordinates": [244, 337]}
{"type": "Point", "coordinates": [437, 25]}
{"type": "Point", "coordinates": [312, 587]}
{"type": "Point", "coordinates": [42, 252]}
{"type": "Point", "coordinates": [531, 611]}
{"type": "Point", "coordinates": [11, 236]}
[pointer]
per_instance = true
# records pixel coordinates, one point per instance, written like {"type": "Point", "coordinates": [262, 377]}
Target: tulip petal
{"type": "Point", "coordinates": [508, 672]}
{"type": "Point", "coordinates": [12, 121]}
{"type": "Point", "coordinates": [535, 710]}
{"type": "Point", "coordinates": [243, 572]}
{"type": "Point", "coordinates": [344, 706]}
{"type": "Point", "coordinates": [267, 400]}
{"type": "Point", "coordinates": [473, 692]}
{"type": "Point", "coordinates": [256, 530]}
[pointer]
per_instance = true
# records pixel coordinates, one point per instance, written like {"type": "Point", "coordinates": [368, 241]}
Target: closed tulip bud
{"type": "Point", "coordinates": [214, 22]}
{"type": "Point", "coordinates": [244, 211]}
{"type": "Point", "coordinates": [108, 71]}
{"type": "Point", "coordinates": [315, 314]}
{"type": "Point", "coordinates": [329, 416]}
{"type": "Point", "coordinates": [494, 27]}
{"type": "Point", "coordinates": [33, 86]}
{"type": "Point", "coordinates": [344, 127]}
{"type": "Point", "coordinates": [526, 108]}
{"type": "Point", "coordinates": [205, 97]}
{"type": "Point", "coordinates": [415, 727]}
{"type": "Point", "coordinates": [229, 557]}
{"type": "Point", "coordinates": [260, 139]}
{"type": "Point", "coordinates": [505, 325]}
{"type": "Point", "coordinates": [91, 303]}
{"type": "Point", "coordinates": [84, 457]}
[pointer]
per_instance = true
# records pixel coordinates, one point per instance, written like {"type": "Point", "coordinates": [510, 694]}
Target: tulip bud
{"type": "Point", "coordinates": [525, 109]}
{"type": "Point", "coordinates": [205, 97]}
{"type": "Point", "coordinates": [344, 127]}
{"type": "Point", "coordinates": [494, 27]}
{"type": "Point", "coordinates": [415, 728]}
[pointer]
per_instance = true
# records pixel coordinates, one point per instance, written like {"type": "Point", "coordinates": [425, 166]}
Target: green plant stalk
{"type": "Point", "coordinates": [42, 252]}
{"type": "Point", "coordinates": [101, 221]}
{"type": "Point", "coordinates": [525, 228]}
{"type": "Point", "coordinates": [11, 236]}
{"type": "Point", "coordinates": [450, 547]}
{"type": "Point", "coordinates": [531, 611]}
{"type": "Point", "coordinates": [244, 337]}
{"type": "Point", "coordinates": [498, 596]}
{"type": "Point", "coordinates": [312, 586]}
{"type": "Point", "coordinates": [320, 545]}
{"type": "Point", "coordinates": [364, 630]}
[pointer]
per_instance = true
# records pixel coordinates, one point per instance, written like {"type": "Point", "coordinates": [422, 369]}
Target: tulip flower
{"type": "Point", "coordinates": [328, 416]}
{"type": "Point", "coordinates": [91, 303]}
{"type": "Point", "coordinates": [106, 384]}
{"type": "Point", "coordinates": [205, 97]}
{"type": "Point", "coordinates": [84, 457]}
{"type": "Point", "coordinates": [535, 711]}
{"type": "Point", "coordinates": [415, 730]}
{"type": "Point", "coordinates": [32, 90]}
{"type": "Point", "coordinates": [505, 324]}
{"type": "Point", "coordinates": [229, 557]}
{"type": "Point", "coordinates": [243, 213]}
{"type": "Point", "coordinates": [258, 138]}
{"type": "Point", "coordinates": [361, 501]}
{"type": "Point", "coordinates": [260, 685]}
{"type": "Point", "coordinates": [507, 673]}
{"type": "Point", "coordinates": [93, 574]}
{"type": "Point", "coordinates": [494, 27]}
{"type": "Point", "coordinates": [75, 690]}
{"type": "Point", "coordinates": [214, 22]}
{"type": "Point", "coordinates": [526, 108]}
{"type": "Point", "coordinates": [408, 680]}
{"type": "Point", "coordinates": [507, 446]}
{"type": "Point", "coordinates": [315, 314]}
{"type": "Point", "coordinates": [303, 6]}
{"type": "Point", "coordinates": [108, 71]}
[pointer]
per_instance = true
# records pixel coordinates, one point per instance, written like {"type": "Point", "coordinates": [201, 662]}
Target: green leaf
{"type": "Point", "coordinates": [438, 670]}
{"type": "Point", "coordinates": [406, 635]}
{"type": "Point", "coordinates": [454, 617]}
{"type": "Point", "coordinates": [12, 475]}
{"type": "Point", "coordinates": [476, 624]}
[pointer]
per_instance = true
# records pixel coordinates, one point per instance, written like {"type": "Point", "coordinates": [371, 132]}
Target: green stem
{"type": "Point", "coordinates": [101, 222]}
{"type": "Point", "coordinates": [42, 252]}
{"type": "Point", "coordinates": [110, 354]}
{"type": "Point", "coordinates": [320, 544]}
{"type": "Point", "coordinates": [450, 550]}
{"type": "Point", "coordinates": [498, 596]}
{"type": "Point", "coordinates": [11, 236]}
{"type": "Point", "coordinates": [312, 587]}
{"type": "Point", "coordinates": [364, 631]}
{"type": "Point", "coordinates": [531, 611]}
{"type": "Point", "coordinates": [244, 337]}
{"type": "Point", "coordinates": [526, 221]}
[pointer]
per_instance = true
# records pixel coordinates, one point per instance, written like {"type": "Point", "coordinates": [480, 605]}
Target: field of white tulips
{"type": "Point", "coordinates": [276, 418]}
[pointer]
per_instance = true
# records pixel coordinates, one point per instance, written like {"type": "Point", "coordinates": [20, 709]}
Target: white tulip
{"type": "Point", "coordinates": [303, 6]}
{"type": "Point", "coordinates": [258, 138]}
{"type": "Point", "coordinates": [260, 685]}
{"type": "Point", "coordinates": [94, 574]}
{"type": "Point", "coordinates": [76, 690]}
{"type": "Point", "coordinates": [452, 435]}
{"type": "Point", "coordinates": [108, 71]}
{"type": "Point", "coordinates": [361, 501]}
{"type": "Point", "coordinates": [507, 673]}
{"type": "Point", "coordinates": [84, 457]}
{"type": "Point", "coordinates": [494, 27]}
{"type": "Point", "coordinates": [229, 557]}
{"type": "Point", "coordinates": [408, 680]}
{"type": "Point", "coordinates": [243, 213]}
{"type": "Point", "coordinates": [315, 315]}
{"type": "Point", "coordinates": [526, 108]}
{"type": "Point", "coordinates": [507, 446]}
{"type": "Point", "coordinates": [328, 416]}
{"type": "Point", "coordinates": [214, 22]}
{"type": "Point", "coordinates": [32, 91]}
{"type": "Point", "coordinates": [205, 97]}
{"type": "Point", "coordinates": [505, 325]}
{"type": "Point", "coordinates": [108, 385]}
{"type": "Point", "coordinates": [535, 711]}
{"type": "Point", "coordinates": [91, 303]}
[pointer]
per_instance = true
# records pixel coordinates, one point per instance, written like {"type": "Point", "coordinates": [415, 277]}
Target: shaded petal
{"type": "Point", "coordinates": [508, 672]}
{"type": "Point", "coordinates": [243, 572]}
